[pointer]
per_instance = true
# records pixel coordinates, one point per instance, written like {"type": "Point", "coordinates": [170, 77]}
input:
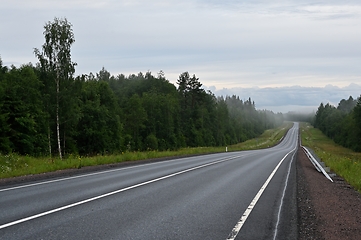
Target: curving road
{"type": "Point", "coordinates": [237, 195]}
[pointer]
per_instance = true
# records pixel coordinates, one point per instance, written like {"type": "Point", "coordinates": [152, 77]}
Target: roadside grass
{"type": "Point", "coordinates": [13, 165]}
{"type": "Point", "coordinates": [269, 138]}
{"type": "Point", "coordinates": [343, 161]}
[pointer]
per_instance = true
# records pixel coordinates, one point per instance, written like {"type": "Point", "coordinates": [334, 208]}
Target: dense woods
{"type": "Point", "coordinates": [46, 110]}
{"type": "Point", "coordinates": [341, 123]}
{"type": "Point", "coordinates": [100, 114]}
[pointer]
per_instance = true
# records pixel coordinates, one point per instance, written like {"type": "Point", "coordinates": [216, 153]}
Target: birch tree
{"type": "Point", "coordinates": [55, 59]}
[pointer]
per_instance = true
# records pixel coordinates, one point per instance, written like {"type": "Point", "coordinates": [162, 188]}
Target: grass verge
{"type": "Point", "coordinates": [269, 138]}
{"type": "Point", "coordinates": [13, 165]}
{"type": "Point", "coordinates": [343, 161]}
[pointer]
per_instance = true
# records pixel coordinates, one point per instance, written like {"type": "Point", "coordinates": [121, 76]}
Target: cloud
{"type": "Point", "coordinates": [227, 44]}
{"type": "Point", "coordinates": [293, 98]}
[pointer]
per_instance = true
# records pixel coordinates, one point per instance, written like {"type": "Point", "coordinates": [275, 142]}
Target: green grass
{"type": "Point", "coordinates": [343, 161]}
{"type": "Point", "coordinates": [268, 139]}
{"type": "Point", "coordinates": [13, 165]}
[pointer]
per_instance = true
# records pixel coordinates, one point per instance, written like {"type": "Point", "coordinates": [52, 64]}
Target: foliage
{"type": "Point", "coordinates": [55, 61]}
{"type": "Point", "coordinates": [342, 124]}
{"type": "Point", "coordinates": [135, 113]}
{"type": "Point", "coordinates": [21, 112]}
{"type": "Point", "coordinates": [99, 127]}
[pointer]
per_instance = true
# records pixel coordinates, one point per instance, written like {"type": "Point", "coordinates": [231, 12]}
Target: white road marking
{"type": "Point", "coordinates": [81, 176]}
{"type": "Point", "coordinates": [283, 196]}
{"type": "Point", "coordinates": [64, 179]}
{"type": "Point", "coordinates": [114, 192]}
{"type": "Point", "coordinates": [249, 209]}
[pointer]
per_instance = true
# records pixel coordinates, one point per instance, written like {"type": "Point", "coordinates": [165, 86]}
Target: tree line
{"type": "Point", "coordinates": [341, 123]}
{"type": "Point", "coordinates": [46, 110]}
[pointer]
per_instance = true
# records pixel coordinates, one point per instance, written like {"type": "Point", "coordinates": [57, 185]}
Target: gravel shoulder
{"type": "Point", "coordinates": [326, 210]}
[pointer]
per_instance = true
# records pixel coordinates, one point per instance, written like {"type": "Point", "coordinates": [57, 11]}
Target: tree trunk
{"type": "Point", "coordinates": [57, 119]}
{"type": "Point", "coordinates": [64, 139]}
{"type": "Point", "coordinates": [49, 140]}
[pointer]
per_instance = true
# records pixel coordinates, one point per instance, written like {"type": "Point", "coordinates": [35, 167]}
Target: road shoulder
{"type": "Point", "coordinates": [326, 210]}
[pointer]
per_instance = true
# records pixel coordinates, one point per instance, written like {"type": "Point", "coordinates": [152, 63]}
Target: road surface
{"type": "Point", "coordinates": [234, 195]}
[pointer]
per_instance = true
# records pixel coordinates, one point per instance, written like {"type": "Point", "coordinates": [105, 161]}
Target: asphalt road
{"type": "Point", "coordinates": [237, 195]}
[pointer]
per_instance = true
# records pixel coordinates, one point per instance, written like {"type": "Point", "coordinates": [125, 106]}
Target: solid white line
{"type": "Point", "coordinates": [249, 209]}
{"type": "Point", "coordinates": [283, 196]}
{"type": "Point", "coordinates": [112, 193]}
{"type": "Point", "coordinates": [62, 179]}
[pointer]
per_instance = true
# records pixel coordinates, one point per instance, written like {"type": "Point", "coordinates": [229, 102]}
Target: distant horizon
{"type": "Point", "coordinates": [287, 99]}
{"type": "Point", "coordinates": [274, 98]}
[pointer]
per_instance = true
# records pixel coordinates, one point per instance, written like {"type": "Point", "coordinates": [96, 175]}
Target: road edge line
{"type": "Point", "coordinates": [249, 209]}
{"type": "Point", "coordinates": [113, 193]}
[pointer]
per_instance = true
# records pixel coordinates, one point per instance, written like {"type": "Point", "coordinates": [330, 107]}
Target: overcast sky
{"type": "Point", "coordinates": [285, 55]}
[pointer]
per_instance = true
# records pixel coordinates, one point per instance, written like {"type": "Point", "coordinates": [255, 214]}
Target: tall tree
{"type": "Point", "coordinates": [55, 58]}
{"type": "Point", "coordinates": [99, 128]}
{"type": "Point", "coordinates": [136, 117]}
{"type": "Point", "coordinates": [4, 114]}
{"type": "Point", "coordinates": [357, 126]}
{"type": "Point", "coordinates": [346, 106]}
{"type": "Point", "coordinates": [103, 75]}
{"type": "Point", "coordinates": [342, 124]}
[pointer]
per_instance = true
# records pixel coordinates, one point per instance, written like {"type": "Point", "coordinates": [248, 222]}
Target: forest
{"type": "Point", "coordinates": [106, 114]}
{"type": "Point", "coordinates": [341, 123]}
{"type": "Point", "coordinates": [47, 111]}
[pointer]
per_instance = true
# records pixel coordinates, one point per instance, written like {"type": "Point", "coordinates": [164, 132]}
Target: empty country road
{"type": "Point", "coordinates": [234, 195]}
